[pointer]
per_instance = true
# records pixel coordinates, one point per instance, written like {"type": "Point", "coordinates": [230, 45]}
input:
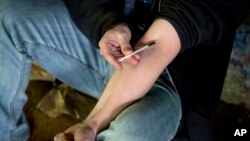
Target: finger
{"type": "Point", "coordinates": [64, 137]}
{"type": "Point", "coordinates": [126, 48]}
{"type": "Point", "coordinates": [117, 54]}
{"type": "Point", "coordinates": [109, 49]}
{"type": "Point", "coordinates": [111, 57]}
{"type": "Point", "coordinates": [107, 42]}
{"type": "Point", "coordinates": [114, 47]}
{"type": "Point", "coordinates": [112, 60]}
{"type": "Point", "coordinates": [132, 60]}
{"type": "Point", "coordinates": [137, 56]}
{"type": "Point", "coordinates": [113, 42]}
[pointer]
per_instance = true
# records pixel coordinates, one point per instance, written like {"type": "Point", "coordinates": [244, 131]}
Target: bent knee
{"type": "Point", "coordinates": [156, 117]}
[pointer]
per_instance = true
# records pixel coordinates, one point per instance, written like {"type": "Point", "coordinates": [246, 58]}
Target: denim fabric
{"type": "Point", "coordinates": [42, 31]}
{"type": "Point", "coordinates": [155, 117]}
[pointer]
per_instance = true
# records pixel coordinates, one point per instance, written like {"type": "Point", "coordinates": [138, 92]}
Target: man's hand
{"type": "Point", "coordinates": [78, 132]}
{"type": "Point", "coordinates": [115, 44]}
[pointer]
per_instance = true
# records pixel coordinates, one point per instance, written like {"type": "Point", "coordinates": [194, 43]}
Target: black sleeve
{"type": "Point", "coordinates": [203, 21]}
{"type": "Point", "coordinates": [95, 17]}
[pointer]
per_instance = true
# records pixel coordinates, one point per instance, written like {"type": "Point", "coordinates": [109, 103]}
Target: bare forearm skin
{"type": "Point", "coordinates": [132, 82]}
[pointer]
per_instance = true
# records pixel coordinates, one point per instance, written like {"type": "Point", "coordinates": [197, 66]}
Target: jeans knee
{"type": "Point", "coordinates": [156, 117]}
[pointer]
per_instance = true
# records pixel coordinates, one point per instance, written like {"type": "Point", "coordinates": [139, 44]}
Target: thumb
{"type": "Point", "coordinates": [126, 48]}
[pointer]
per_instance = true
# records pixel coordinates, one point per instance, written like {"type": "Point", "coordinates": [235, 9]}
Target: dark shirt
{"type": "Point", "coordinates": [206, 29]}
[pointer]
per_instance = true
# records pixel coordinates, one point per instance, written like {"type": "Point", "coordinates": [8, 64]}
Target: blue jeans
{"type": "Point", "coordinates": [42, 31]}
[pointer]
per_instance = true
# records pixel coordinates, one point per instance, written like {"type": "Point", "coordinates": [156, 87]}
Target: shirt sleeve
{"type": "Point", "coordinates": [95, 17]}
{"type": "Point", "coordinates": [203, 21]}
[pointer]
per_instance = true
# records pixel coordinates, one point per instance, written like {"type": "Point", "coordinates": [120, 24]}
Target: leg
{"type": "Point", "coordinates": [42, 31]}
{"type": "Point", "coordinates": [156, 117]}
{"type": "Point", "coordinates": [14, 76]}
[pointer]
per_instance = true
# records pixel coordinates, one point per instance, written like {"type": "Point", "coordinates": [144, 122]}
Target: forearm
{"type": "Point", "coordinates": [102, 101]}
{"type": "Point", "coordinates": [133, 82]}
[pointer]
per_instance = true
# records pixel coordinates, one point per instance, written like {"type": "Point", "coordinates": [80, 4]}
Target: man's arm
{"type": "Point", "coordinates": [132, 82]}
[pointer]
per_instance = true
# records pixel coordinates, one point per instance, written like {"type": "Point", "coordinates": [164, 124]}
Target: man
{"type": "Point", "coordinates": [135, 103]}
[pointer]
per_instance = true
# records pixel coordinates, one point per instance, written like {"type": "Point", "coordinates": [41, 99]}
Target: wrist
{"type": "Point", "coordinates": [125, 28]}
{"type": "Point", "coordinates": [92, 124]}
